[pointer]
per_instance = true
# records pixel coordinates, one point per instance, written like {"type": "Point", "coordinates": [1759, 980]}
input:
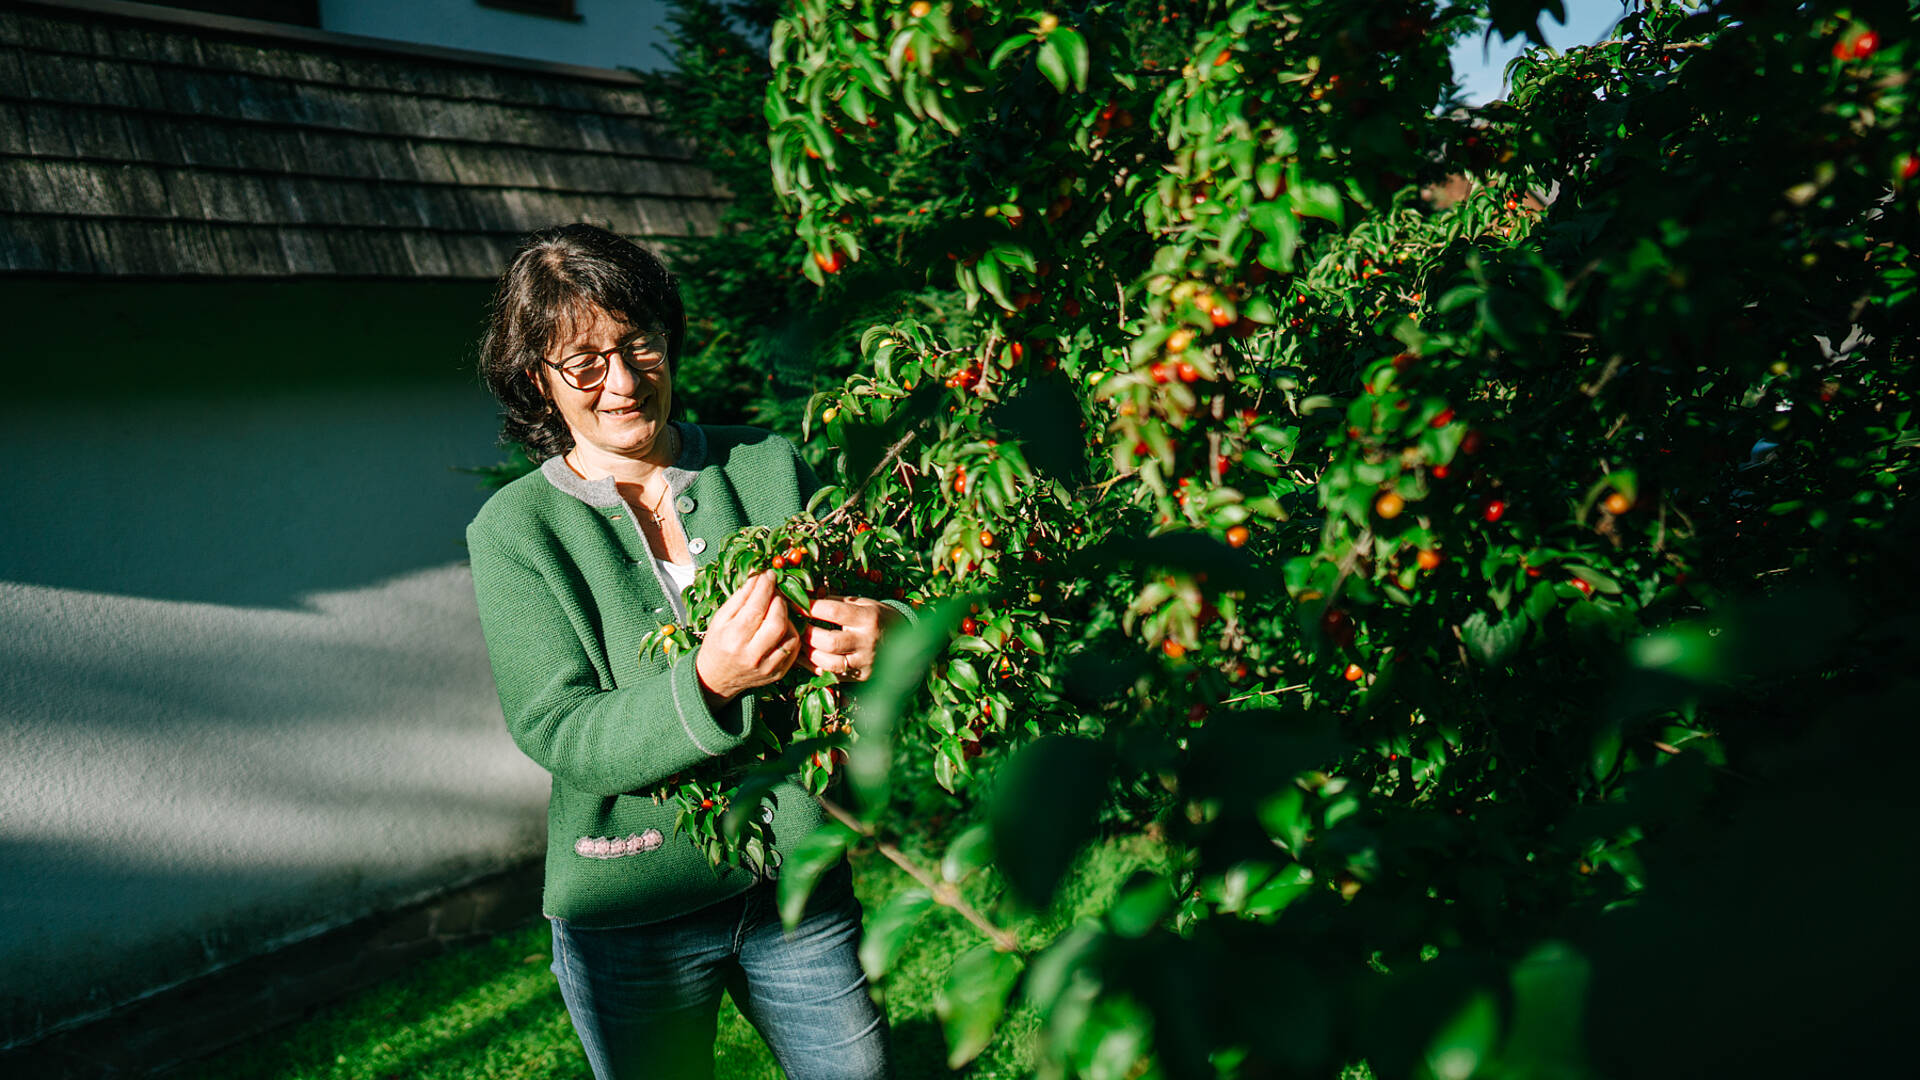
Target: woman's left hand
{"type": "Point", "coordinates": [848, 651]}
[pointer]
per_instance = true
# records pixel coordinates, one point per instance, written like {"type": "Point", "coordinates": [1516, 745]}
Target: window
{"type": "Point", "coordinates": [552, 9]}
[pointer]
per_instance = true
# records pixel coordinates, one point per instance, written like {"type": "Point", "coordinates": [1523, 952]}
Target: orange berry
{"type": "Point", "coordinates": [1428, 558]}
{"type": "Point", "coordinates": [1617, 504]}
{"type": "Point", "coordinates": [1237, 536]}
{"type": "Point", "coordinates": [1354, 673]}
{"type": "Point", "coordinates": [1389, 505]}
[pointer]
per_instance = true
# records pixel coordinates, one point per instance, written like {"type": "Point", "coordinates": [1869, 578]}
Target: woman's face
{"type": "Point", "coordinates": [625, 415]}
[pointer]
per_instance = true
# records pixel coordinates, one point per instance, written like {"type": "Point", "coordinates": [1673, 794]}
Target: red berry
{"type": "Point", "coordinates": [1472, 442]}
{"type": "Point", "coordinates": [970, 626]}
{"type": "Point", "coordinates": [1494, 510]}
{"type": "Point", "coordinates": [1444, 418]}
{"type": "Point", "coordinates": [1428, 558]}
{"type": "Point", "coordinates": [1225, 56]}
{"type": "Point", "coordinates": [706, 804]}
{"type": "Point", "coordinates": [780, 562]}
{"type": "Point", "coordinates": [1338, 626]}
{"type": "Point", "coordinates": [1909, 166]}
{"type": "Point", "coordinates": [828, 261]}
{"type": "Point", "coordinates": [1196, 713]}
{"type": "Point", "coordinates": [1585, 589]}
{"type": "Point", "coordinates": [1865, 44]}
{"type": "Point", "coordinates": [1173, 649]}
{"type": "Point", "coordinates": [1440, 472]}
{"type": "Point", "coordinates": [1219, 316]}
{"type": "Point", "coordinates": [1159, 372]}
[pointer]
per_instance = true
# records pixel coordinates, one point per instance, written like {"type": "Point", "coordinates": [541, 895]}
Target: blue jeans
{"type": "Point", "coordinates": [644, 999]}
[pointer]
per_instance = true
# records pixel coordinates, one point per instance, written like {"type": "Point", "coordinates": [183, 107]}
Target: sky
{"type": "Point", "coordinates": [1479, 65]}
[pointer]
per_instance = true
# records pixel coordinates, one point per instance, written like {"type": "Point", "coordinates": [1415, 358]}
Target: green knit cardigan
{"type": "Point", "coordinates": [566, 588]}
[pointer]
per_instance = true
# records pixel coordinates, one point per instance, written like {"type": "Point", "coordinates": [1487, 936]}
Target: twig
{"type": "Point", "coordinates": [1264, 693]}
{"type": "Point", "coordinates": [944, 892]}
{"type": "Point", "coordinates": [1606, 376]}
{"type": "Point", "coordinates": [893, 454]}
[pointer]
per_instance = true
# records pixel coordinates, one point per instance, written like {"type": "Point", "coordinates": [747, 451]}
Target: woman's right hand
{"type": "Point", "coordinates": [750, 642]}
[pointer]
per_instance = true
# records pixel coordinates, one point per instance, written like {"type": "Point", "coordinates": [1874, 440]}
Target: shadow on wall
{"type": "Point", "coordinates": [242, 443]}
{"type": "Point", "coordinates": [243, 691]}
{"type": "Point", "coordinates": [184, 783]}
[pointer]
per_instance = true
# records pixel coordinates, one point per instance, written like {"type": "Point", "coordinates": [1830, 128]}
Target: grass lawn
{"type": "Point", "coordinates": [493, 1010]}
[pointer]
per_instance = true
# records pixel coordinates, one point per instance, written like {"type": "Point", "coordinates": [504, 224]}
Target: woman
{"type": "Point", "coordinates": [572, 565]}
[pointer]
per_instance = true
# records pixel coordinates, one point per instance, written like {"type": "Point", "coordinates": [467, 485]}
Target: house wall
{"type": "Point", "coordinates": [243, 692]}
{"type": "Point", "coordinates": [607, 33]}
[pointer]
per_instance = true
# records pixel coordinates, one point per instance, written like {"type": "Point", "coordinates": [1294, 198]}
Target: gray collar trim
{"type": "Point", "coordinates": [603, 493]}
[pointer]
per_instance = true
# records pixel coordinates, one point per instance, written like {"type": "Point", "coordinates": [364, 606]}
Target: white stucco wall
{"type": "Point", "coordinates": [608, 34]}
{"type": "Point", "coordinates": [243, 692]}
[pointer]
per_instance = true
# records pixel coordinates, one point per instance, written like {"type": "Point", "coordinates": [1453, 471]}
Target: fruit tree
{"type": "Point", "coordinates": [1453, 531]}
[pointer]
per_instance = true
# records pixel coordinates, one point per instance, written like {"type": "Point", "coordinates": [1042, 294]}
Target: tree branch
{"type": "Point", "coordinates": [944, 893]}
{"type": "Point", "coordinates": [893, 454]}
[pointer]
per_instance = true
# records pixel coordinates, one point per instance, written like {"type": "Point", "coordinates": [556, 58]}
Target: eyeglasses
{"type": "Point", "coordinates": [587, 370]}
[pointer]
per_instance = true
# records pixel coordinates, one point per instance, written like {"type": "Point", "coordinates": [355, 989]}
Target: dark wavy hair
{"type": "Point", "coordinates": [555, 277]}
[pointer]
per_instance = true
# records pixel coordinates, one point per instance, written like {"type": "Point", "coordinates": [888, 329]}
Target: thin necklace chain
{"type": "Point", "coordinates": [653, 511]}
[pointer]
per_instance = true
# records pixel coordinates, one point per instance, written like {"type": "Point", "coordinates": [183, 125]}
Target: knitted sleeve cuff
{"type": "Point", "coordinates": [713, 733]}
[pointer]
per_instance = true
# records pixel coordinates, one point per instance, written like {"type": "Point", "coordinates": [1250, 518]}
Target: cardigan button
{"type": "Point", "coordinates": [697, 545]}
{"type": "Point", "coordinates": [685, 504]}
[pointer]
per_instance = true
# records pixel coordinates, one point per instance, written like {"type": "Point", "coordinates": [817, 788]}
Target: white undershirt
{"type": "Point", "coordinates": [681, 574]}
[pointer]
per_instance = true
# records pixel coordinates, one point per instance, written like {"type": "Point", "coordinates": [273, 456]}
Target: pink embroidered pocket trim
{"type": "Point", "coordinates": [613, 847]}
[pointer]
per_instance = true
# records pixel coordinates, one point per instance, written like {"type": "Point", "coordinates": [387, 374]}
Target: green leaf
{"type": "Point", "coordinates": [1031, 637]}
{"type": "Point", "coordinates": [1492, 643]}
{"type": "Point", "coordinates": [1052, 65]}
{"type": "Point", "coordinates": [888, 930]}
{"type": "Point", "coordinates": [1465, 1042]}
{"type": "Point", "coordinates": [1549, 995]}
{"type": "Point", "coordinates": [970, 851]}
{"type": "Point", "coordinates": [816, 853]}
{"type": "Point", "coordinates": [1044, 804]}
{"type": "Point", "coordinates": [1073, 49]}
{"type": "Point", "coordinates": [962, 674]}
{"type": "Point", "coordinates": [1143, 901]}
{"type": "Point", "coordinates": [1312, 198]}
{"type": "Point", "coordinates": [988, 271]}
{"type": "Point", "coordinates": [1279, 233]}
{"type": "Point", "coordinates": [1008, 48]}
{"type": "Point", "coordinates": [1601, 582]}
{"type": "Point", "coordinates": [791, 587]}
{"type": "Point", "coordinates": [898, 669]}
{"type": "Point", "coordinates": [974, 999]}
{"type": "Point", "coordinates": [1068, 960]}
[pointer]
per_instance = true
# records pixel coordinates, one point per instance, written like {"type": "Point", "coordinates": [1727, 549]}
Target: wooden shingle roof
{"type": "Point", "coordinates": [135, 141]}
